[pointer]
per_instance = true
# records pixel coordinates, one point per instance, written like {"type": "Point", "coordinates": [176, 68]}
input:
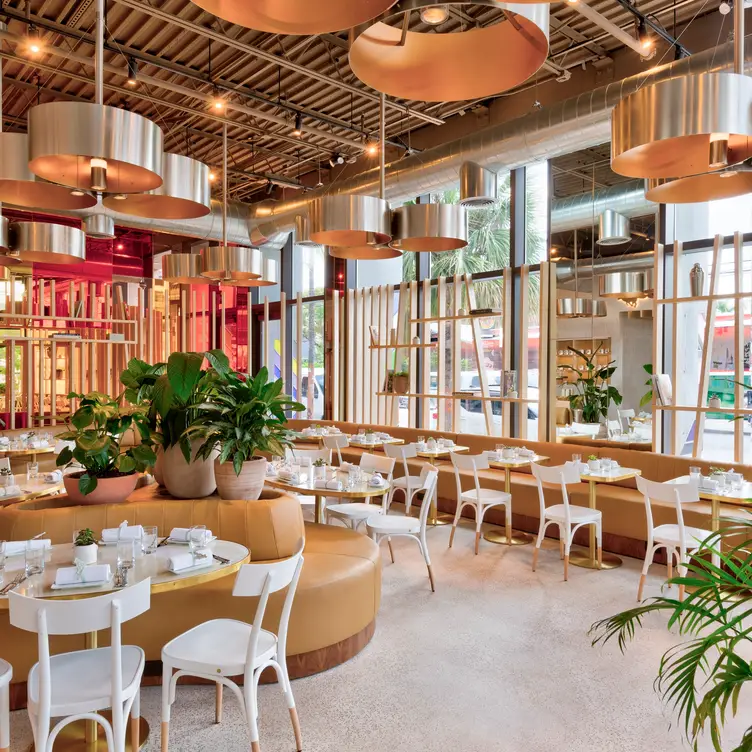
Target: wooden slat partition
{"type": "Point", "coordinates": [336, 314]}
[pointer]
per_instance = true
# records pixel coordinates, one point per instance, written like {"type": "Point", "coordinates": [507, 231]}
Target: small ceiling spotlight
{"type": "Point", "coordinates": [132, 79]}
{"type": "Point", "coordinates": [218, 103]}
{"type": "Point", "coordinates": [724, 8]}
{"type": "Point", "coordinates": [119, 197]}
{"type": "Point", "coordinates": [644, 38]}
{"type": "Point", "coordinates": [34, 44]}
{"type": "Point", "coordinates": [77, 192]}
{"type": "Point", "coordinates": [434, 14]}
{"type": "Point", "coordinates": [372, 148]}
{"type": "Point", "coordinates": [98, 174]}
{"type": "Point", "coordinates": [119, 247]}
{"type": "Point", "coordinates": [212, 177]}
{"type": "Point", "coordinates": [298, 129]}
{"type": "Point", "coordinates": [336, 159]}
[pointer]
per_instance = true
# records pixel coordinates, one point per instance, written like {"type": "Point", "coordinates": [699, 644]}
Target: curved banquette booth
{"type": "Point", "coordinates": [334, 612]}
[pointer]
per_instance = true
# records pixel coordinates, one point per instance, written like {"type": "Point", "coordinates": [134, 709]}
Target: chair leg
{"type": "Point", "coordinates": [296, 729]}
{"type": "Point", "coordinates": [478, 523]}
{"type": "Point", "coordinates": [561, 548]}
{"type": "Point", "coordinates": [538, 542]}
{"type": "Point", "coordinates": [391, 550]}
{"type": "Point", "coordinates": [455, 522]}
{"type": "Point", "coordinates": [566, 567]}
{"type": "Point", "coordinates": [430, 578]}
{"type": "Point", "coordinates": [670, 564]}
{"type": "Point", "coordinates": [567, 546]}
{"type": "Point", "coordinates": [136, 721]}
{"type": "Point", "coordinates": [166, 680]}
{"type": "Point", "coordinates": [218, 703]}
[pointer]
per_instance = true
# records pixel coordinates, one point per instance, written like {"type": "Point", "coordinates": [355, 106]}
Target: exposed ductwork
{"type": "Point", "coordinates": [565, 127]}
{"type": "Point", "coordinates": [587, 268]}
{"type": "Point", "coordinates": [584, 209]}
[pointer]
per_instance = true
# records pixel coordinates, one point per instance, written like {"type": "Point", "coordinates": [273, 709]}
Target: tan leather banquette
{"type": "Point", "coordinates": [623, 507]}
{"type": "Point", "coordinates": [338, 596]}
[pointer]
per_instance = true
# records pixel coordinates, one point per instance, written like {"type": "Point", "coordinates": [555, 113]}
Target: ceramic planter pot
{"type": "Point", "coordinates": [158, 469]}
{"type": "Point", "coordinates": [247, 486]}
{"type": "Point", "coordinates": [86, 554]}
{"type": "Point", "coordinates": [400, 384]}
{"type": "Point", "coordinates": [594, 465]}
{"type": "Point", "coordinates": [108, 491]}
{"type": "Point", "coordinates": [185, 480]}
{"type": "Point", "coordinates": [715, 402]}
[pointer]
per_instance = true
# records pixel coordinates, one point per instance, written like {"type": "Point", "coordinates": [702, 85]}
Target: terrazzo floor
{"type": "Point", "coordinates": [497, 660]}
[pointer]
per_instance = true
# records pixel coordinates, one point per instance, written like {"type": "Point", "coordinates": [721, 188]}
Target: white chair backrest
{"type": "Point", "coordinates": [260, 580]}
{"type": "Point", "coordinates": [429, 477]}
{"type": "Point", "coordinates": [336, 442]}
{"type": "Point", "coordinates": [293, 454]}
{"type": "Point", "coordinates": [402, 452]}
{"type": "Point", "coordinates": [469, 463]}
{"type": "Point", "coordinates": [58, 617]}
{"type": "Point", "coordinates": [5, 463]}
{"type": "Point", "coordinates": [625, 414]}
{"type": "Point", "coordinates": [672, 493]}
{"type": "Point", "coordinates": [614, 427]}
{"type": "Point", "coordinates": [375, 463]}
{"type": "Point", "coordinates": [556, 475]}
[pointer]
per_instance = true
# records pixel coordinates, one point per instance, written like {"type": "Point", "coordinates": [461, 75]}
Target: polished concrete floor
{"type": "Point", "coordinates": [497, 660]}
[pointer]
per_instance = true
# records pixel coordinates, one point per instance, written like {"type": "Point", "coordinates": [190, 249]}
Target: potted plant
{"type": "Point", "coordinates": [647, 398]}
{"type": "Point", "coordinates": [702, 677]}
{"type": "Point", "coordinates": [6, 476]}
{"type": "Point", "coordinates": [401, 382]}
{"type": "Point", "coordinates": [85, 547]}
{"type": "Point", "coordinates": [594, 464]}
{"type": "Point", "coordinates": [594, 394]}
{"type": "Point", "coordinates": [110, 470]}
{"type": "Point", "coordinates": [180, 396]}
{"type": "Point", "coordinates": [507, 452]}
{"type": "Point", "coordinates": [715, 401]}
{"type": "Point", "coordinates": [245, 418]}
{"type": "Point", "coordinates": [319, 469]}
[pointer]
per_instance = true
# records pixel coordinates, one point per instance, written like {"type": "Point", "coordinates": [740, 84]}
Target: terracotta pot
{"type": "Point", "coordinates": [108, 491]}
{"type": "Point", "coordinates": [158, 470]}
{"type": "Point", "coordinates": [247, 486]}
{"type": "Point", "coordinates": [188, 481]}
{"type": "Point", "coordinates": [400, 384]}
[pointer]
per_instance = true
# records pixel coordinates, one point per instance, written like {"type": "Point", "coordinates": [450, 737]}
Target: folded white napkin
{"type": "Point", "coordinates": [92, 573]}
{"type": "Point", "coordinates": [383, 435]}
{"type": "Point", "coordinates": [181, 533]}
{"type": "Point", "coordinates": [376, 480]}
{"type": "Point", "coordinates": [184, 560]}
{"type": "Point", "coordinates": [13, 490]}
{"type": "Point", "coordinates": [16, 548]}
{"type": "Point", "coordinates": [124, 532]}
{"type": "Point", "coordinates": [53, 477]}
{"type": "Point", "coordinates": [493, 456]}
{"type": "Point", "coordinates": [347, 466]}
{"type": "Point", "coordinates": [333, 485]}
{"type": "Point", "coordinates": [35, 444]}
{"type": "Point", "coordinates": [4, 440]}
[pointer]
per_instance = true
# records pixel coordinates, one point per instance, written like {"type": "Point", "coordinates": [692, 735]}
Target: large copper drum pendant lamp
{"type": "Point", "coordinates": [183, 268]}
{"type": "Point", "coordinates": [47, 243]}
{"type": "Point", "coordinates": [699, 188]}
{"type": "Point", "coordinates": [418, 61]}
{"type": "Point", "coordinates": [683, 126]}
{"type": "Point", "coordinates": [347, 220]}
{"type": "Point", "coordinates": [365, 252]}
{"type": "Point", "coordinates": [184, 194]}
{"type": "Point", "coordinates": [226, 262]}
{"type": "Point", "coordinates": [295, 16]}
{"type": "Point", "coordinates": [429, 227]}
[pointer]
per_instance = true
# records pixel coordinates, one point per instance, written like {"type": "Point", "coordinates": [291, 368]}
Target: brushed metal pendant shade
{"type": "Point", "coordinates": [183, 268]}
{"type": "Point", "coordinates": [4, 242]}
{"type": "Point", "coordinates": [365, 252]}
{"type": "Point", "coordinates": [47, 243]}
{"type": "Point", "coordinates": [295, 16]}
{"type": "Point", "coordinates": [184, 194]}
{"type": "Point", "coordinates": [429, 228]}
{"type": "Point", "coordinates": [626, 285]}
{"type": "Point", "coordinates": [683, 126]}
{"type": "Point", "coordinates": [579, 308]}
{"type": "Point", "coordinates": [347, 220]}
{"type": "Point", "coordinates": [451, 66]}
{"type": "Point", "coordinates": [269, 278]}
{"type": "Point", "coordinates": [698, 188]}
{"type": "Point", "coordinates": [20, 187]}
{"type": "Point", "coordinates": [224, 263]}
{"type": "Point", "coordinates": [99, 225]}
{"type": "Point", "coordinates": [613, 228]}
{"type": "Point", "coordinates": [64, 138]}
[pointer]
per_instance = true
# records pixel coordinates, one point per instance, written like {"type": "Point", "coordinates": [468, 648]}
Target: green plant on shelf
{"type": "Point", "coordinates": [702, 677]}
{"type": "Point", "coordinates": [593, 457]}
{"type": "Point", "coordinates": [85, 537]}
{"type": "Point", "coordinates": [647, 398]}
{"type": "Point", "coordinates": [594, 394]}
{"type": "Point", "coordinates": [319, 463]}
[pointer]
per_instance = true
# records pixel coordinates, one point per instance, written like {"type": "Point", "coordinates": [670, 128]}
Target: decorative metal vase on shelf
{"type": "Point", "coordinates": [696, 281]}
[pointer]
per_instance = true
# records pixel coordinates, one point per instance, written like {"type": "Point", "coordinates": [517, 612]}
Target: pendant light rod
{"type": "Point", "coordinates": [99, 55]}
{"type": "Point", "coordinates": [382, 143]}
{"type": "Point", "coordinates": [224, 184]}
{"type": "Point", "coordinates": [739, 36]}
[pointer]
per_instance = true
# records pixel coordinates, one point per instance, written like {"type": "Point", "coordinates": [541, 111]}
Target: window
{"type": "Point", "coordinates": [308, 270]}
{"type": "Point", "coordinates": [312, 358]}
{"type": "Point", "coordinates": [536, 213]}
{"type": "Point", "coordinates": [272, 291]}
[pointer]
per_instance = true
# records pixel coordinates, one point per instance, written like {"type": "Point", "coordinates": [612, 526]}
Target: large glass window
{"type": "Point", "coordinates": [308, 269]}
{"type": "Point", "coordinates": [311, 363]}
{"type": "Point", "coordinates": [536, 213]}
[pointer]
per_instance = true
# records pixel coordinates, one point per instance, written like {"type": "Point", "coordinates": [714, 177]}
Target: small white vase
{"type": "Point", "coordinates": [594, 465]}
{"type": "Point", "coordinates": [86, 554]}
{"type": "Point", "coordinates": [715, 403]}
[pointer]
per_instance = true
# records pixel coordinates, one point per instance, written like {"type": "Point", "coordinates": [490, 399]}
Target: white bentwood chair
{"type": "Point", "coordinates": [336, 442]}
{"type": "Point", "coordinates": [355, 513]}
{"type": "Point", "coordinates": [6, 674]}
{"type": "Point", "coordinates": [390, 526]}
{"type": "Point", "coordinates": [568, 517]}
{"type": "Point", "coordinates": [625, 416]}
{"type": "Point", "coordinates": [221, 648]}
{"type": "Point", "coordinates": [296, 455]}
{"type": "Point", "coordinates": [480, 499]}
{"type": "Point", "coordinates": [408, 484]}
{"type": "Point", "coordinates": [679, 540]}
{"type": "Point", "coordinates": [79, 685]}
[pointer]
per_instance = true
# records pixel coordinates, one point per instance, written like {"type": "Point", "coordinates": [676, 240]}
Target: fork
{"type": "Point", "coordinates": [15, 582]}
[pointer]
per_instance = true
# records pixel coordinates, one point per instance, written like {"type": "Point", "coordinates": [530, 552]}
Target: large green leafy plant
{"type": "Point", "coordinates": [97, 429]}
{"type": "Point", "coordinates": [246, 416]}
{"type": "Point", "coordinates": [594, 394]}
{"type": "Point", "coordinates": [702, 677]}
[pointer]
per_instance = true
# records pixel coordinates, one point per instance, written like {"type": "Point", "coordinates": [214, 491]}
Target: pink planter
{"type": "Point", "coordinates": [108, 490]}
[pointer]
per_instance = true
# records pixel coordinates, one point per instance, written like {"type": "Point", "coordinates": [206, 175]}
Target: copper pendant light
{"type": "Point", "coordinates": [365, 252]}
{"type": "Point", "coordinates": [425, 64]}
{"type": "Point", "coordinates": [347, 220]}
{"type": "Point", "coordinates": [429, 227]}
{"type": "Point", "coordinates": [698, 188]}
{"type": "Point", "coordinates": [47, 243]}
{"type": "Point", "coordinates": [183, 268]}
{"type": "Point", "coordinates": [269, 278]}
{"type": "Point", "coordinates": [184, 194]}
{"type": "Point", "coordinates": [91, 146]}
{"type": "Point", "coordinates": [295, 16]}
{"type": "Point", "coordinates": [228, 262]}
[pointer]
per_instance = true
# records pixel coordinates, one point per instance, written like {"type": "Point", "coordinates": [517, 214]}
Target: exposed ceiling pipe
{"type": "Point", "coordinates": [571, 125]}
{"type": "Point", "coordinates": [600, 20]}
{"type": "Point", "coordinates": [583, 209]}
{"type": "Point", "coordinates": [588, 268]}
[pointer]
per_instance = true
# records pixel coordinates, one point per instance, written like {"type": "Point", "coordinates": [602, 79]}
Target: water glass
{"type": "Point", "coordinates": [736, 481]}
{"type": "Point", "coordinates": [34, 558]}
{"type": "Point", "coordinates": [695, 473]}
{"type": "Point", "coordinates": [126, 553]}
{"type": "Point", "coordinates": [198, 539]}
{"type": "Point", "coordinates": [149, 541]}
{"type": "Point", "coordinates": [32, 470]}
{"type": "Point", "coordinates": [577, 458]}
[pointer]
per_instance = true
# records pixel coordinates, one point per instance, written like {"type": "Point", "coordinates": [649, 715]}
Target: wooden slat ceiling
{"type": "Point", "coordinates": [259, 149]}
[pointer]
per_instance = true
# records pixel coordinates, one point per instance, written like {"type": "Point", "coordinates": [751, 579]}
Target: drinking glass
{"type": "Point", "coordinates": [149, 541]}
{"type": "Point", "coordinates": [421, 439]}
{"type": "Point", "coordinates": [126, 553]}
{"type": "Point", "coordinates": [2, 558]}
{"type": "Point", "coordinates": [577, 458]}
{"type": "Point", "coordinates": [695, 473]}
{"type": "Point", "coordinates": [32, 470]}
{"type": "Point", "coordinates": [197, 540]}
{"type": "Point", "coordinates": [34, 559]}
{"type": "Point", "coordinates": [736, 481]}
